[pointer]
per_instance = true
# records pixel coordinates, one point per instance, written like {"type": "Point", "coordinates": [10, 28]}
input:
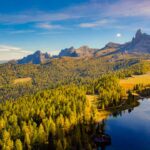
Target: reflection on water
{"type": "Point", "coordinates": [102, 139]}
{"type": "Point", "coordinates": [127, 130]}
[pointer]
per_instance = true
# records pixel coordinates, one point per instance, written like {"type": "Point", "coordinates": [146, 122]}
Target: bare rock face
{"type": "Point", "coordinates": [83, 51]}
{"type": "Point", "coordinates": [108, 49]}
{"type": "Point", "coordinates": [139, 44]}
{"type": "Point", "coordinates": [112, 45]}
{"type": "Point", "coordinates": [37, 58]}
{"type": "Point", "coordinates": [68, 52]}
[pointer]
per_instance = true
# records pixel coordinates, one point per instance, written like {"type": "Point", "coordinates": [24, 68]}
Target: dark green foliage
{"type": "Point", "coordinates": [109, 91]}
{"type": "Point", "coordinates": [136, 69]}
{"type": "Point", "coordinates": [142, 90]}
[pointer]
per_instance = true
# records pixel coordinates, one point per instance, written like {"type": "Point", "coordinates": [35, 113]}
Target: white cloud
{"type": "Point", "coordinates": [118, 35]}
{"type": "Point", "coordinates": [34, 16]}
{"type": "Point", "coordinates": [100, 23]}
{"type": "Point", "coordinates": [48, 26]}
{"type": "Point", "coordinates": [11, 52]}
{"type": "Point", "coordinates": [92, 9]}
{"type": "Point", "coordinates": [129, 8]}
{"type": "Point", "coordinates": [119, 8]}
{"type": "Point", "coordinates": [21, 31]}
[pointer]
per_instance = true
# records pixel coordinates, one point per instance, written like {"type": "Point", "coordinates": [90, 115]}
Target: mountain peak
{"type": "Point", "coordinates": [139, 44]}
{"type": "Point", "coordinates": [67, 52]}
{"type": "Point", "coordinates": [38, 52]}
{"type": "Point", "coordinates": [37, 58]}
{"type": "Point", "coordinates": [83, 51]}
{"type": "Point", "coordinates": [138, 33]}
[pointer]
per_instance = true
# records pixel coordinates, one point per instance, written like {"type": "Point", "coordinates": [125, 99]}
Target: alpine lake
{"type": "Point", "coordinates": [127, 129]}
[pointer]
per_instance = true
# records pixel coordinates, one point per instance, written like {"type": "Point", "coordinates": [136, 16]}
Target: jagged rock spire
{"type": "Point", "coordinates": [138, 33]}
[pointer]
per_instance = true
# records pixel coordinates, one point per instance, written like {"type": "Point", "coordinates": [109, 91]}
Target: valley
{"type": "Point", "coordinates": [62, 102]}
{"type": "Point", "coordinates": [74, 75]}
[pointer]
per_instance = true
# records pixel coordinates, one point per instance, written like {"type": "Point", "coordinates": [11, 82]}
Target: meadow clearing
{"type": "Point", "coordinates": [22, 80]}
{"type": "Point", "coordinates": [130, 82]}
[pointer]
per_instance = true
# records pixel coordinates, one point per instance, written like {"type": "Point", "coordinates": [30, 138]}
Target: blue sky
{"type": "Point", "coordinates": [51, 25]}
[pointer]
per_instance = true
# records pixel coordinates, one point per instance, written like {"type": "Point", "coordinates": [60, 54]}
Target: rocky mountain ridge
{"type": "Point", "coordinates": [139, 44]}
{"type": "Point", "coordinates": [37, 58]}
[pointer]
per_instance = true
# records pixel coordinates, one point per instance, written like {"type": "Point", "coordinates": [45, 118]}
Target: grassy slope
{"type": "Point", "coordinates": [102, 114]}
{"type": "Point", "coordinates": [130, 82]}
{"type": "Point", "coordinates": [22, 80]}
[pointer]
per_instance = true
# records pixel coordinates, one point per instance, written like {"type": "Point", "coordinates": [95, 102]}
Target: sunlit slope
{"type": "Point", "coordinates": [22, 80]}
{"type": "Point", "coordinates": [130, 82]}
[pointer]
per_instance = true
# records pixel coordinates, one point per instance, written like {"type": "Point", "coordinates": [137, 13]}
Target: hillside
{"type": "Point", "coordinates": [130, 82]}
{"type": "Point", "coordinates": [107, 50]}
{"type": "Point", "coordinates": [58, 71]}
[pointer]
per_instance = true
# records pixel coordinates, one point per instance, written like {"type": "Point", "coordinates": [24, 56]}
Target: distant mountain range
{"type": "Point", "coordinates": [83, 51]}
{"type": "Point", "coordinates": [139, 44]}
{"type": "Point", "coordinates": [37, 58]}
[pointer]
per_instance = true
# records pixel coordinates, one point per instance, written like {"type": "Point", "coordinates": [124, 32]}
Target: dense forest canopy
{"type": "Point", "coordinates": [33, 121]}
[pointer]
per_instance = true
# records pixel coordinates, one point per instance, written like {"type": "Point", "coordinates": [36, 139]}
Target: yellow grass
{"type": "Point", "coordinates": [100, 115]}
{"type": "Point", "coordinates": [22, 80]}
{"type": "Point", "coordinates": [148, 60]}
{"type": "Point", "coordinates": [92, 98]}
{"type": "Point", "coordinates": [129, 83]}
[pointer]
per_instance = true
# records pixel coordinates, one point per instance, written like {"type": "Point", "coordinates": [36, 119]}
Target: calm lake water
{"type": "Point", "coordinates": [130, 131]}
